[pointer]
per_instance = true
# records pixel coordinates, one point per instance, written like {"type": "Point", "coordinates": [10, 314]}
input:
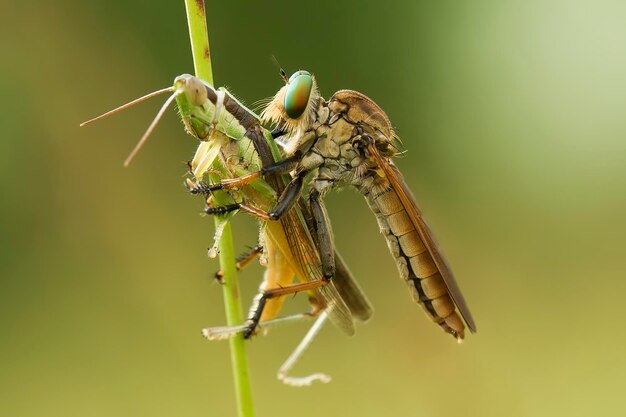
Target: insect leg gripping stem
{"type": "Point", "coordinates": [280, 167]}
{"type": "Point", "coordinates": [253, 320]}
{"type": "Point", "coordinates": [243, 260]}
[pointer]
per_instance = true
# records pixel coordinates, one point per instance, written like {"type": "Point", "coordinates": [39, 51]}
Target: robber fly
{"type": "Point", "coordinates": [349, 141]}
{"type": "Point", "coordinates": [228, 131]}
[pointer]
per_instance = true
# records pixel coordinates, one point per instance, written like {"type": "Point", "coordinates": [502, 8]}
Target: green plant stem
{"type": "Point", "coordinates": [198, 34]}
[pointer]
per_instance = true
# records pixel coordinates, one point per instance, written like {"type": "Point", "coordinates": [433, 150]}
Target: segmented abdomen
{"type": "Point", "coordinates": [415, 264]}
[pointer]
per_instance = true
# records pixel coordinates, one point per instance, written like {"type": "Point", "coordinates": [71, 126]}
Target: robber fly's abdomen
{"type": "Point", "coordinates": [414, 262]}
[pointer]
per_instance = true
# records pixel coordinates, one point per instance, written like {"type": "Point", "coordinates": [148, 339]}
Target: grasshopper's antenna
{"type": "Point", "coordinates": [283, 75]}
{"type": "Point", "coordinates": [127, 105]}
{"type": "Point", "coordinates": [156, 120]}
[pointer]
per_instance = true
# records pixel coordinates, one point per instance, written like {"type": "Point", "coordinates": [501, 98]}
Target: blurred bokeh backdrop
{"type": "Point", "coordinates": [513, 115]}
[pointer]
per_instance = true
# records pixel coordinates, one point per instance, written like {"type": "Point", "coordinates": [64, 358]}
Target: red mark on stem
{"type": "Point", "coordinates": [200, 4]}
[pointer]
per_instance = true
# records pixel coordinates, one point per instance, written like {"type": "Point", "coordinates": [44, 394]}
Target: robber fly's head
{"type": "Point", "coordinates": [294, 105]}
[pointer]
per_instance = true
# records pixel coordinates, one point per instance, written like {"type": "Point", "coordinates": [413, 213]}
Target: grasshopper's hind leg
{"type": "Point", "coordinates": [283, 372]}
{"type": "Point", "coordinates": [226, 332]}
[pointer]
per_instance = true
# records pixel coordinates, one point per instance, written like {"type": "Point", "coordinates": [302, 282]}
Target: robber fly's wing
{"type": "Point", "coordinates": [306, 262]}
{"type": "Point", "coordinates": [350, 291]}
{"type": "Point", "coordinates": [396, 181]}
{"type": "Point", "coordinates": [344, 281]}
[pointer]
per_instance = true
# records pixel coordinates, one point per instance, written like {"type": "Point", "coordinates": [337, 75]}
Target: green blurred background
{"type": "Point", "coordinates": [513, 117]}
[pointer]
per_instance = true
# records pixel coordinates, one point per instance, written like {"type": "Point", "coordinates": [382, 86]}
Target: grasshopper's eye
{"type": "Point", "coordinates": [298, 93]}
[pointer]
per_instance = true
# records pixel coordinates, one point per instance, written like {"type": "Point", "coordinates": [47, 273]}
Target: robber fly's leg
{"type": "Point", "coordinates": [324, 234]}
{"type": "Point", "coordinates": [197, 188]}
{"type": "Point", "coordinates": [255, 211]}
{"type": "Point", "coordinates": [286, 201]}
{"type": "Point", "coordinates": [279, 167]}
{"type": "Point", "coordinates": [222, 209]}
{"type": "Point", "coordinates": [242, 261]}
{"type": "Point", "coordinates": [289, 197]}
{"type": "Point", "coordinates": [262, 297]}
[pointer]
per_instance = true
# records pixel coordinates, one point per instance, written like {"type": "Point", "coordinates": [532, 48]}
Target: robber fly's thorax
{"type": "Point", "coordinates": [338, 140]}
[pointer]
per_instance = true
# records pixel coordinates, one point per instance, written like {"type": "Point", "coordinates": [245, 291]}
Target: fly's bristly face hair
{"type": "Point", "coordinates": [275, 113]}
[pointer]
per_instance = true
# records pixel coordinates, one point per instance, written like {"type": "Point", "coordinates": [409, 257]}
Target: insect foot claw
{"type": "Point", "coordinates": [196, 187]}
{"type": "Point", "coordinates": [214, 187]}
{"type": "Point", "coordinates": [219, 277]}
{"type": "Point", "coordinates": [273, 216]}
{"type": "Point", "coordinates": [250, 330]}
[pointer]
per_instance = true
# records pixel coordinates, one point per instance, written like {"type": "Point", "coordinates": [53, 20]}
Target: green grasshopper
{"type": "Point", "coordinates": [349, 141]}
{"type": "Point", "coordinates": [228, 131]}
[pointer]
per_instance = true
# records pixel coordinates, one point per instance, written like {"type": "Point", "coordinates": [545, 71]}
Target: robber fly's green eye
{"type": "Point", "coordinates": [298, 93]}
